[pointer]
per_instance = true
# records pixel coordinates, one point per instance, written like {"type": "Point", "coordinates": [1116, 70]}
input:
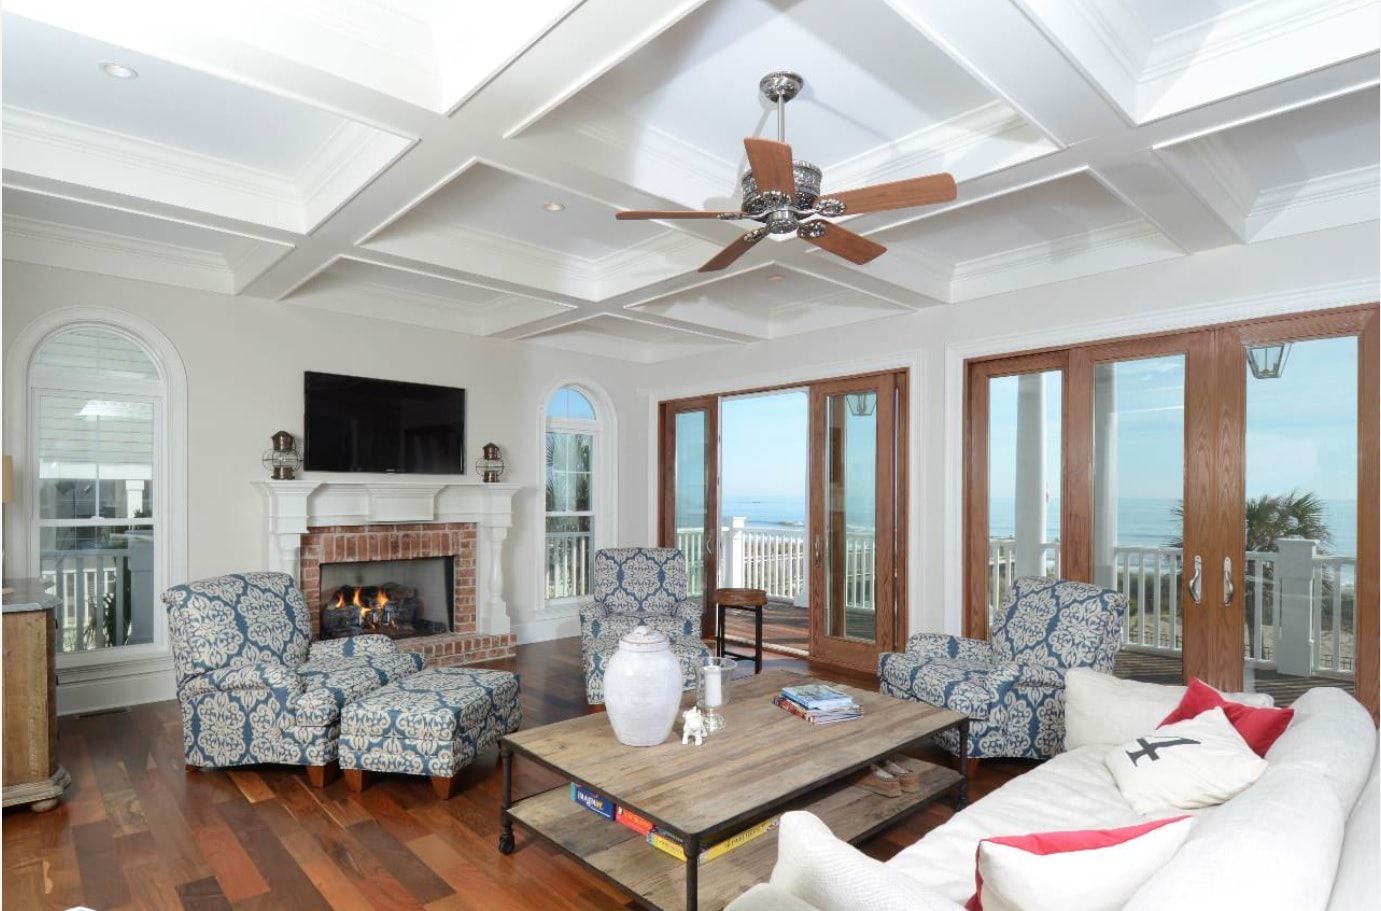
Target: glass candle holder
{"type": "Point", "coordinates": [712, 690]}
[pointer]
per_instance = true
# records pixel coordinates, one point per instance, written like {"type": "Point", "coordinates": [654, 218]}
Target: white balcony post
{"type": "Point", "coordinates": [1294, 579]}
{"type": "Point", "coordinates": [737, 533]}
{"type": "Point", "coordinates": [1030, 479]}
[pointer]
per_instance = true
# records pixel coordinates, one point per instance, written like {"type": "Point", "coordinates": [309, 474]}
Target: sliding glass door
{"type": "Point", "coordinates": [689, 509]}
{"type": "Point", "coordinates": [1223, 479]}
{"type": "Point", "coordinates": [1300, 585]}
{"type": "Point", "coordinates": [853, 519]}
{"type": "Point", "coordinates": [832, 559]}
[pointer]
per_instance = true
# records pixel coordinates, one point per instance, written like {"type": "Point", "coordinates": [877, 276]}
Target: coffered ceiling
{"type": "Point", "coordinates": [458, 166]}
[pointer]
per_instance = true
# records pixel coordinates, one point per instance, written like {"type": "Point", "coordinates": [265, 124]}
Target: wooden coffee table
{"type": "Point", "coordinates": [764, 762]}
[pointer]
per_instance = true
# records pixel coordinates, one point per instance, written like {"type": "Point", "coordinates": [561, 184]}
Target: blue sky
{"type": "Point", "coordinates": [1301, 433]}
{"type": "Point", "coordinates": [1301, 427]}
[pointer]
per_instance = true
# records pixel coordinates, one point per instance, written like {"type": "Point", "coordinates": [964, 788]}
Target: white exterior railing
{"type": "Point", "coordinates": [775, 560]}
{"type": "Point", "coordinates": [85, 581]}
{"type": "Point", "coordinates": [568, 564]}
{"type": "Point", "coordinates": [1152, 578]}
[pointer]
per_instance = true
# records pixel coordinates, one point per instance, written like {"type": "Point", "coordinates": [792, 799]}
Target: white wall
{"type": "Point", "coordinates": [1322, 269]}
{"type": "Point", "coordinates": [244, 359]}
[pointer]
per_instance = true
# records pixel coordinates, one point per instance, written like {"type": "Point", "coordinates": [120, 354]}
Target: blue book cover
{"type": "Point", "coordinates": [817, 696]}
{"type": "Point", "coordinates": [595, 803]}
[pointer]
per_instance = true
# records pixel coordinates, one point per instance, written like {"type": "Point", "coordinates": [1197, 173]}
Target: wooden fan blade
{"type": "Point", "coordinates": [900, 194]}
{"type": "Point", "coordinates": [771, 164]}
{"type": "Point", "coordinates": [683, 213]}
{"type": "Point", "coordinates": [841, 242]}
{"type": "Point", "coordinates": [726, 257]}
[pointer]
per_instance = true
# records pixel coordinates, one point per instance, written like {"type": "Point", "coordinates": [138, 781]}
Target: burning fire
{"type": "Point", "coordinates": [371, 609]}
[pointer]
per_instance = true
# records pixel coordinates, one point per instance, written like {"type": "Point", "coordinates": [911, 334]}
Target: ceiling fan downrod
{"type": "Point", "coordinates": [779, 88]}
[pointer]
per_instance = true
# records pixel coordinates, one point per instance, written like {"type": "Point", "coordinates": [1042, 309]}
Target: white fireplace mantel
{"type": "Point", "coordinates": [320, 499]}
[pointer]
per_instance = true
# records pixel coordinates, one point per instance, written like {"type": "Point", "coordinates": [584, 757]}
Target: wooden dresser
{"type": "Point", "coordinates": [32, 772]}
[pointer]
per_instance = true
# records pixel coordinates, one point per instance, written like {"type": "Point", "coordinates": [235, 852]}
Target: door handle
{"type": "Point", "coordinates": [817, 549]}
{"type": "Point", "coordinates": [1196, 582]}
{"type": "Point", "coordinates": [1227, 582]}
{"type": "Point", "coordinates": [709, 545]}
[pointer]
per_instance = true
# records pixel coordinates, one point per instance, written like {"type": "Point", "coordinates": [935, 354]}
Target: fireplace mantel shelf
{"type": "Point", "coordinates": [325, 499]}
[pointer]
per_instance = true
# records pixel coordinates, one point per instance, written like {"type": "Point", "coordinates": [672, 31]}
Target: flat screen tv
{"type": "Point", "coordinates": [358, 424]}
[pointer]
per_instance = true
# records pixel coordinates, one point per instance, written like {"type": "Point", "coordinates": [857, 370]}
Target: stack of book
{"type": "Point", "coordinates": [818, 703]}
{"type": "Point", "coordinates": [662, 840]}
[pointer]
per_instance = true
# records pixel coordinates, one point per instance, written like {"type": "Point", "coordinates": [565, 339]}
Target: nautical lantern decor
{"type": "Point", "coordinates": [283, 459]}
{"type": "Point", "coordinates": [1267, 362]}
{"type": "Point", "coordinates": [490, 465]}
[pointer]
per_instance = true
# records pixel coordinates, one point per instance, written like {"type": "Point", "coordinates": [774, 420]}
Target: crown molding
{"type": "Point", "coordinates": [1100, 250]}
{"type": "Point", "coordinates": [1330, 188]}
{"type": "Point", "coordinates": [1242, 27]}
{"type": "Point", "coordinates": [1337, 199]}
{"type": "Point", "coordinates": [87, 250]}
{"type": "Point", "coordinates": [58, 149]}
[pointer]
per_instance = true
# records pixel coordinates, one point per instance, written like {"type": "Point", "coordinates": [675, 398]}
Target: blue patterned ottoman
{"type": "Point", "coordinates": [434, 722]}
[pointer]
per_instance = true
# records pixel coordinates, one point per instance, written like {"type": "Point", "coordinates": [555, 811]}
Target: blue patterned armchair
{"type": "Point", "coordinates": [253, 686]}
{"type": "Point", "coordinates": [633, 586]}
{"type": "Point", "coordinates": [1012, 687]}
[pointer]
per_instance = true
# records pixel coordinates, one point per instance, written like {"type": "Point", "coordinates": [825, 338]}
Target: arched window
{"type": "Point", "coordinates": [572, 449]}
{"type": "Point", "coordinates": [97, 412]}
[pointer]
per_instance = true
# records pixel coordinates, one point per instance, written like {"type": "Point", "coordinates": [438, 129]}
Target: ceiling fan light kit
{"type": "Point", "coordinates": [782, 194]}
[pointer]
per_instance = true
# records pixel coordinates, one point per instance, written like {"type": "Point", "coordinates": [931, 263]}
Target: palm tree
{"type": "Point", "coordinates": [1271, 517]}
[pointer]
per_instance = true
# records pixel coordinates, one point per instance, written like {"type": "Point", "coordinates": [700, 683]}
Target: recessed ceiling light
{"type": "Point", "coordinates": [119, 71]}
{"type": "Point", "coordinates": [774, 278]}
{"type": "Point", "coordinates": [553, 206]}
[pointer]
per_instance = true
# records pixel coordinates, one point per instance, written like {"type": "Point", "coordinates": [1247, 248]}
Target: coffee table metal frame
{"type": "Point", "coordinates": [692, 841]}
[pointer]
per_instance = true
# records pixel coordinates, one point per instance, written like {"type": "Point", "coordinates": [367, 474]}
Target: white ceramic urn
{"type": "Point", "coordinates": [642, 688]}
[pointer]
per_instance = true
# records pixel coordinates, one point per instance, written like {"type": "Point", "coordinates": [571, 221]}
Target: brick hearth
{"type": "Point", "coordinates": [351, 543]}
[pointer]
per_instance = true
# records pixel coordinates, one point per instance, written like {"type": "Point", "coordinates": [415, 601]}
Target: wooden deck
{"type": "Point", "coordinates": [786, 627]}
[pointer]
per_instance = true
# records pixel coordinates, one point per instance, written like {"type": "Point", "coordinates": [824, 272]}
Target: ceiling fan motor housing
{"type": "Point", "coordinates": [807, 190]}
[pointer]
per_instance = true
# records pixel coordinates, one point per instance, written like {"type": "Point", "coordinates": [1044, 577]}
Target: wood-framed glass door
{"type": "Point", "coordinates": [1298, 535]}
{"type": "Point", "coordinates": [1145, 444]}
{"type": "Point", "coordinates": [854, 519]}
{"type": "Point", "coordinates": [688, 514]}
{"type": "Point", "coordinates": [1263, 572]}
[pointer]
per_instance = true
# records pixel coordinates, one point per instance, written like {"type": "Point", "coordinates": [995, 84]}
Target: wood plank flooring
{"type": "Point", "coordinates": [135, 831]}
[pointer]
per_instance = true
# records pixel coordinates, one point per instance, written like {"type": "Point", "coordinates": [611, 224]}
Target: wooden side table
{"type": "Point", "coordinates": [747, 599]}
{"type": "Point", "coordinates": [32, 774]}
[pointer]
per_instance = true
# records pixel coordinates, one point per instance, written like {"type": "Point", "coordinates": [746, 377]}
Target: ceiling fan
{"type": "Point", "coordinates": [783, 195]}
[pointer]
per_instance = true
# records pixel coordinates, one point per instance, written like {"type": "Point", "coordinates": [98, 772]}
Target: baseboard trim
{"type": "Point", "coordinates": [544, 629]}
{"type": "Point", "coordinates": [117, 685]}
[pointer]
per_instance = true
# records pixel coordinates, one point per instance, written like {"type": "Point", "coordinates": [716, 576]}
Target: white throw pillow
{"type": "Point", "coordinates": [1103, 709]}
{"type": "Point", "coordinates": [1195, 763]}
{"type": "Point", "coordinates": [1074, 871]}
{"type": "Point", "coordinates": [833, 875]}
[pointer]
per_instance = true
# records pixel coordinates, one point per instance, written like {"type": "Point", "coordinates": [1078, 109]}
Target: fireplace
{"type": "Point", "coordinates": [396, 598]}
{"type": "Point", "coordinates": [431, 563]}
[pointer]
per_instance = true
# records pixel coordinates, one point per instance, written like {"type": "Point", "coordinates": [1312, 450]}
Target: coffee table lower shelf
{"type": "Point", "coordinates": [659, 880]}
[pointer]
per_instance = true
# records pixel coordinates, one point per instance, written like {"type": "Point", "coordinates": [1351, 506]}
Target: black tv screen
{"type": "Point", "coordinates": [358, 424]}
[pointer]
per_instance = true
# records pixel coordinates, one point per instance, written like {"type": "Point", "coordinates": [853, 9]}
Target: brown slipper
{"type": "Point", "coordinates": [908, 778]}
{"type": "Point", "coordinates": [879, 781]}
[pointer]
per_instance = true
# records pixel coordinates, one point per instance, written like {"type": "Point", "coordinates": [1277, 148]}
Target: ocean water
{"type": "Point", "coordinates": [1139, 521]}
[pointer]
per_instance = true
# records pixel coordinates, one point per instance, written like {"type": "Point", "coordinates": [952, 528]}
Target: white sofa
{"type": "Point", "coordinates": [1305, 836]}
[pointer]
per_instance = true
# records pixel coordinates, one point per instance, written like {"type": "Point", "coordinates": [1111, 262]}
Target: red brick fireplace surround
{"type": "Point", "coordinates": [351, 543]}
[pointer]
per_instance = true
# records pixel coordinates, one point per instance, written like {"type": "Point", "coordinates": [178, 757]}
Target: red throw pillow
{"type": "Point", "coordinates": [1073, 871]}
{"type": "Point", "coordinates": [1260, 727]}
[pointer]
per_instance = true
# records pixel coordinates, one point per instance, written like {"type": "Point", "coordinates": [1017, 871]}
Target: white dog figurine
{"type": "Point", "coordinates": [693, 725]}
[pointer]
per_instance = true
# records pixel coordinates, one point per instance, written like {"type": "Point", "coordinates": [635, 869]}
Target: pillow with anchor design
{"type": "Point", "coordinates": [1200, 762]}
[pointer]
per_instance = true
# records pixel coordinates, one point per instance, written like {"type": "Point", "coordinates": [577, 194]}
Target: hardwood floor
{"type": "Point", "coordinates": [136, 831]}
